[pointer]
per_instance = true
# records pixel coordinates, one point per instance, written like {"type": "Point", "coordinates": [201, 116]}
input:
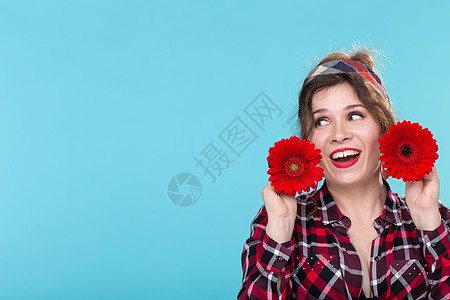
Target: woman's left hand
{"type": "Point", "coordinates": [422, 198]}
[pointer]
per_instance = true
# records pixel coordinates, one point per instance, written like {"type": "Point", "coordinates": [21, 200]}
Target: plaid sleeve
{"type": "Point", "coordinates": [436, 251]}
{"type": "Point", "coordinates": [263, 261]}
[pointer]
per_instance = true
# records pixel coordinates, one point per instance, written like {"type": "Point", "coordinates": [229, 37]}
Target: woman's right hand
{"type": "Point", "coordinates": [282, 211]}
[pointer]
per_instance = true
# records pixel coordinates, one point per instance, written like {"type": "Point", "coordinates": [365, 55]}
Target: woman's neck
{"type": "Point", "coordinates": [362, 201]}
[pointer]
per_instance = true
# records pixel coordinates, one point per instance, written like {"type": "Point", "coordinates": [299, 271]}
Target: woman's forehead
{"type": "Point", "coordinates": [335, 97]}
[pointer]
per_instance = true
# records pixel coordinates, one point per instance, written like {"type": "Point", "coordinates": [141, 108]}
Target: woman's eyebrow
{"type": "Point", "coordinates": [352, 106]}
{"type": "Point", "coordinates": [320, 111]}
{"type": "Point", "coordinates": [348, 107]}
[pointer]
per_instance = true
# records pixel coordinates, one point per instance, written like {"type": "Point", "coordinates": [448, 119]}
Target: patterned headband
{"type": "Point", "coordinates": [348, 66]}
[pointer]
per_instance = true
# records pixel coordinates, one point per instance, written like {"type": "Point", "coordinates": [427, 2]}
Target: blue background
{"type": "Point", "coordinates": [103, 102]}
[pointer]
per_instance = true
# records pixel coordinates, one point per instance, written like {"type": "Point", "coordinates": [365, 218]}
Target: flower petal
{"type": "Point", "coordinates": [412, 167]}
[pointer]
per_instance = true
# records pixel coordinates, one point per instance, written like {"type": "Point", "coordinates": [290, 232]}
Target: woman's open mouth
{"type": "Point", "coordinates": [344, 158]}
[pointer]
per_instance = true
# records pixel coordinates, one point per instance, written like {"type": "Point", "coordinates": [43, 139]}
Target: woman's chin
{"type": "Point", "coordinates": [348, 179]}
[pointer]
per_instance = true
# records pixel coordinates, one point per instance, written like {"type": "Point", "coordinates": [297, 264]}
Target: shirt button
{"type": "Point", "coordinates": [433, 245]}
{"type": "Point", "coordinates": [377, 258]}
{"type": "Point", "coordinates": [280, 258]}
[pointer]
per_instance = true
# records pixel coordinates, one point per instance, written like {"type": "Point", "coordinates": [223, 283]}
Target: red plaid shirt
{"type": "Point", "coordinates": [320, 261]}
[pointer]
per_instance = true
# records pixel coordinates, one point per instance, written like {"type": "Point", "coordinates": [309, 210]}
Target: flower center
{"type": "Point", "coordinates": [294, 167]}
{"type": "Point", "coordinates": [406, 150]}
{"type": "Point", "coordinates": [409, 153]}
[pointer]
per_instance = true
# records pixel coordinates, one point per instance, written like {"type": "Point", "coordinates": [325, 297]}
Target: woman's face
{"type": "Point", "coordinates": [347, 135]}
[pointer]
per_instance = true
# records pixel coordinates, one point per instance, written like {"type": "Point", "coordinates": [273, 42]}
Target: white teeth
{"type": "Point", "coordinates": [344, 154]}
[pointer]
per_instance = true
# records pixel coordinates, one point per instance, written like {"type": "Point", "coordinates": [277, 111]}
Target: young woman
{"type": "Point", "coordinates": [353, 238]}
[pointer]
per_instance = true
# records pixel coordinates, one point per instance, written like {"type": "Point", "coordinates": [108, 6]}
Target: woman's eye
{"type": "Point", "coordinates": [355, 116]}
{"type": "Point", "coordinates": [321, 122]}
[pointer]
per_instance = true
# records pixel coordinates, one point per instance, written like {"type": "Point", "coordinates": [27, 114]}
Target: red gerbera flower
{"type": "Point", "coordinates": [293, 166]}
{"type": "Point", "coordinates": [408, 151]}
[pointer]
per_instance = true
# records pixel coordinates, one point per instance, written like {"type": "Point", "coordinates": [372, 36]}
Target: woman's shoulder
{"type": "Point", "coordinates": [401, 204]}
{"type": "Point", "coordinates": [306, 199]}
{"type": "Point", "coordinates": [306, 205]}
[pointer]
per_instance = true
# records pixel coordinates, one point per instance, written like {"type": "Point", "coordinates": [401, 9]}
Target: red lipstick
{"type": "Point", "coordinates": [345, 164]}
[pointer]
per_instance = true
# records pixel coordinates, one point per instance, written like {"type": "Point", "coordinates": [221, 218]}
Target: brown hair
{"type": "Point", "coordinates": [377, 105]}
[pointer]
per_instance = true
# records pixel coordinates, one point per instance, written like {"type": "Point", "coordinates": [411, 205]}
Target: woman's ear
{"type": "Point", "coordinates": [384, 174]}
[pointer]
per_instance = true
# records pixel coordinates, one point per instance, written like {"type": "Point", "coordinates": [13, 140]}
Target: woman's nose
{"type": "Point", "coordinates": [340, 133]}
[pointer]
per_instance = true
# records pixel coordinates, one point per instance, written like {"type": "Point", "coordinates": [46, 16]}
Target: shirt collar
{"type": "Point", "coordinates": [392, 212]}
{"type": "Point", "coordinates": [328, 212]}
